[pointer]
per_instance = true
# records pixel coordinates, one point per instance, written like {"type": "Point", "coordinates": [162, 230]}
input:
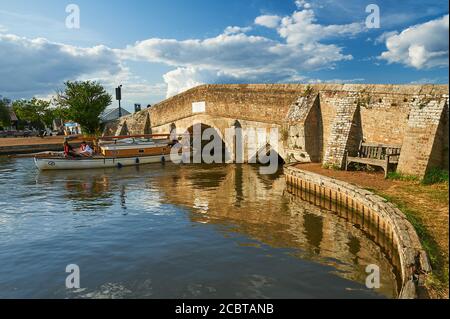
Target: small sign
{"type": "Point", "coordinates": [199, 107]}
{"type": "Point", "coordinates": [119, 93]}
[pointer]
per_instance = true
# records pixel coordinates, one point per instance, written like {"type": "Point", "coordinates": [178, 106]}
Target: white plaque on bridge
{"type": "Point", "coordinates": [199, 107]}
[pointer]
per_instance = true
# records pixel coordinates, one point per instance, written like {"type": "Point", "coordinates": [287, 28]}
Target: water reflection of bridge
{"type": "Point", "coordinates": [237, 196]}
{"type": "Point", "coordinates": [259, 207]}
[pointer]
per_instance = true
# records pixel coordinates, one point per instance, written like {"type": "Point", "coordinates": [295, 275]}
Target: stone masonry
{"type": "Point", "coordinates": [304, 121]}
{"type": "Point", "coordinates": [317, 123]}
{"type": "Point", "coordinates": [424, 144]}
{"type": "Point", "coordinates": [340, 131]}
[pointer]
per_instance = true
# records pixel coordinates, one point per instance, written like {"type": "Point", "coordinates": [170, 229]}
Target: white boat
{"type": "Point", "coordinates": [116, 151]}
{"type": "Point", "coordinates": [53, 163]}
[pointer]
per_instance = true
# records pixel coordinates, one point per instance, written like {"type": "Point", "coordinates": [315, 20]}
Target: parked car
{"type": "Point", "coordinates": [9, 133]}
{"type": "Point", "coordinates": [18, 133]}
{"type": "Point", "coordinates": [29, 133]}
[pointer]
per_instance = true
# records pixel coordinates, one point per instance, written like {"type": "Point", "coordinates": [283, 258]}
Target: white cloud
{"type": "Point", "coordinates": [134, 90]}
{"type": "Point", "coordinates": [422, 46]}
{"type": "Point", "coordinates": [140, 91]}
{"type": "Point", "coordinates": [237, 57]}
{"type": "Point", "coordinates": [302, 28]}
{"type": "Point", "coordinates": [234, 57]}
{"type": "Point", "coordinates": [268, 21]}
{"type": "Point", "coordinates": [384, 36]}
{"type": "Point", "coordinates": [394, 13]}
{"type": "Point", "coordinates": [302, 4]}
{"type": "Point", "coordinates": [234, 30]}
{"type": "Point", "coordinates": [3, 29]}
{"type": "Point", "coordinates": [182, 79]}
{"type": "Point", "coordinates": [38, 66]}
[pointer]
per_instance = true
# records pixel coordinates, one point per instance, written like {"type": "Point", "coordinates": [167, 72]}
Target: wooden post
{"type": "Point", "coordinates": [386, 167]}
{"type": "Point", "coordinates": [346, 161]}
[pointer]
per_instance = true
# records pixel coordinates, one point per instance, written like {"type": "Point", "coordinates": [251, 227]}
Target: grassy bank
{"type": "Point", "coordinates": [423, 201]}
{"type": "Point", "coordinates": [419, 216]}
{"type": "Point", "coordinates": [426, 205]}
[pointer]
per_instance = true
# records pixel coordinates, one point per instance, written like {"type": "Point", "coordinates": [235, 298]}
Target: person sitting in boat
{"type": "Point", "coordinates": [68, 150]}
{"type": "Point", "coordinates": [85, 150]}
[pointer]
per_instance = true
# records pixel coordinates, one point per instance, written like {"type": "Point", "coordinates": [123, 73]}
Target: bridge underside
{"type": "Point", "coordinates": [234, 135]}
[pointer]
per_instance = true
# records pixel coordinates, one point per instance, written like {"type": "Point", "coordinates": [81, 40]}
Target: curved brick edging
{"type": "Point", "coordinates": [413, 258]}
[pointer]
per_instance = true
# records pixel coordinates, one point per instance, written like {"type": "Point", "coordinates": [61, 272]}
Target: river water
{"type": "Point", "coordinates": [175, 231]}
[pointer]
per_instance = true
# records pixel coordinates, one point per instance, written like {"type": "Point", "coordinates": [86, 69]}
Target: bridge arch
{"type": "Point", "coordinates": [123, 129]}
{"type": "Point", "coordinates": [231, 141]}
{"type": "Point", "coordinates": [267, 150]}
{"type": "Point", "coordinates": [148, 125]}
{"type": "Point", "coordinates": [202, 135]}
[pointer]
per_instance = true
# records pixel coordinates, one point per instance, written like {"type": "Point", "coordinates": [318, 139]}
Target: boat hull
{"type": "Point", "coordinates": [44, 164]}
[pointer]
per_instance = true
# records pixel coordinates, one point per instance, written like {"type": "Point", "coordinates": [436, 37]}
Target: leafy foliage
{"type": "Point", "coordinates": [35, 111]}
{"type": "Point", "coordinates": [83, 102]}
{"type": "Point", "coordinates": [5, 119]}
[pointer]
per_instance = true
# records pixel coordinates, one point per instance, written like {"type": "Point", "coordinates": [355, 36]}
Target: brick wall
{"type": "Point", "coordinates": [263, 103]}
{"type": "Point", "coordinates": [387, 114]}
{"type": "Point", "coordinates": [343, 122]}
{"type": "Point", "coordinates": [425, 138]}
{"type": "Point", "coordinates": [304, 129]}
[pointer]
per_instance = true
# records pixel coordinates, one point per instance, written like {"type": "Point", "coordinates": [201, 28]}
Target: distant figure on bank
{"type": "Point", "coordinates": [85, 150]}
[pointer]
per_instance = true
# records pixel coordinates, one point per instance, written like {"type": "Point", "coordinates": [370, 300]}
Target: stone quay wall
{"type": "Point", "coordinates": [376, 210]}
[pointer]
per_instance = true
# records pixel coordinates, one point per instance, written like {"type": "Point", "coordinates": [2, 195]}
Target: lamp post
{"type": "Point", "coordinates": [119, 97]}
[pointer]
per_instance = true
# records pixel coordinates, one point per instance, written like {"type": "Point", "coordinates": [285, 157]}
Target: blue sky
{"type": "Point", "coordinates": [158, 48]}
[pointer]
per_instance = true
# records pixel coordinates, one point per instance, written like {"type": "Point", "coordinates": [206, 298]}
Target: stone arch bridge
{"type": "Point", "coordinates": [316, 123]}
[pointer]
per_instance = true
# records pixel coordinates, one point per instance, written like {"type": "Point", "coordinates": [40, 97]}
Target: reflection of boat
{"type": "Point", "coordinates": [115, 151]}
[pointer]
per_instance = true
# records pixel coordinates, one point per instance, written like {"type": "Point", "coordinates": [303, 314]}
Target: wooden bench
{"type": "Point", "coordinates": [375, 154]}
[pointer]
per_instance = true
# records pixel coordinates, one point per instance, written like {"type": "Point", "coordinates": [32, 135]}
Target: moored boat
{"type": "Point", "coordinates": [114, 151]}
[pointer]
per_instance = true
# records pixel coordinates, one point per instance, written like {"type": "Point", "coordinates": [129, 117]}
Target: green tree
{"type": "Point", "coordinates": [83, 102]}
{"type": "Point", "coordinates": [35, 111]}
{"type": "Point", "coordinates": [5, 118]}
